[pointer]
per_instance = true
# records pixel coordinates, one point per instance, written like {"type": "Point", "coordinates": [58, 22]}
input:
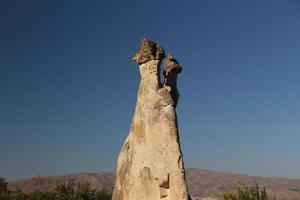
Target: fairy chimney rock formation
{"type": "Point", "coordinates": [150, 164]}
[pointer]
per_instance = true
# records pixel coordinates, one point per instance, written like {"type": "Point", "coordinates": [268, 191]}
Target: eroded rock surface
{"type": "Point", "coordinates": [150, 164]}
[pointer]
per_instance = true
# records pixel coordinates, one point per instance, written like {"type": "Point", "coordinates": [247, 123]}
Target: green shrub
{"type": "Point", "coordinates": [4, 192]}
{"type": "Point", "coordinates": [246, 192]}
{"type": "Point", "coordinates": [70, 190]}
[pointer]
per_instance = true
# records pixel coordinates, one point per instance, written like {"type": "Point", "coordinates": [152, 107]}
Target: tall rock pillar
{"type": "Point", "coordinates": [150, 164]}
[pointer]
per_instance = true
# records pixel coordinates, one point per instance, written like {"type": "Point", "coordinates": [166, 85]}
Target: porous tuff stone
{"type": "Point", "coordinates": [150, 164]}
{"type": "Point", "coordinates": [172, 65]}
{"type": "Point", "coordinates": [148, 51]}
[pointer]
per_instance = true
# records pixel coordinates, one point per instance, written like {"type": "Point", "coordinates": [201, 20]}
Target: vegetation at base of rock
{"type": "Point", "coordinates": [70, 190]}
{"type": "Point", "coordinates": [246, 192]}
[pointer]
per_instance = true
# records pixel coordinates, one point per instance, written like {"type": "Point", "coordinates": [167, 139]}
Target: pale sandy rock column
{"type": "Point", "coordinates": [150, 164]}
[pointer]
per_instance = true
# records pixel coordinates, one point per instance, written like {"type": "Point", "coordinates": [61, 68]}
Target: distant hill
{"type": "Point", "coordinates": [205, 183]}
{"type": "Point", "coordinates": [202, 183]}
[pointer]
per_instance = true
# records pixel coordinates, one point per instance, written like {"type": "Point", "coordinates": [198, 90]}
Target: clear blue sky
{"type": "Point", "coordinates": [68, 85]}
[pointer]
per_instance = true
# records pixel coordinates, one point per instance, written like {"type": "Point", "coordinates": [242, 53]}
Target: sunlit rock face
{"type": "Point", "coordinates": [150, 164]}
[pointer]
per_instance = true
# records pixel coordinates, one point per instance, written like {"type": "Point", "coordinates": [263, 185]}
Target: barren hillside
{"type": "Point", "coordinates": [202, 183]}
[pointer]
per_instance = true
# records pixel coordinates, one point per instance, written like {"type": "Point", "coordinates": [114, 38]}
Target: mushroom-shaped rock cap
{"type": "Point", "coordinates": [172, 65]}
{"type": "Point", "coordinates": [148, 51]}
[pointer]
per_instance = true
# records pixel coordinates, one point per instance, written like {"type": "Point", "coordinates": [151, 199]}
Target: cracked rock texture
{"type": "Point", "coordinates": [150, 164]}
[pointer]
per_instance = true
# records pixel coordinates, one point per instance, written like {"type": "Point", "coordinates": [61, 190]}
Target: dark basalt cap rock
{"type": "Point", "coordinates": [172, 65]}
{"type": "Point", "coordinates": [148, 51]}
